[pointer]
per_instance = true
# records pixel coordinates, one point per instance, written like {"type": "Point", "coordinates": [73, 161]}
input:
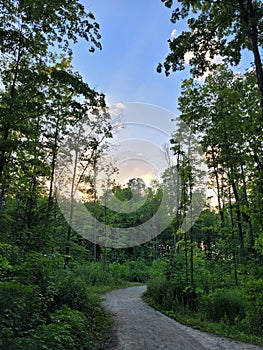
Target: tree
{"type": "Point", "coordinates": [220, 109]}
{"type": "Point", "coordinates": [222, 28]}
{"type": "Point", "coordinates": [30, 34]}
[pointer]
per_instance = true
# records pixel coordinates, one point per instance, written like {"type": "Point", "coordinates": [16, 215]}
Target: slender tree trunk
{"type": "Point", "coordinates": [178, 238]}
{"type": "Point", "coordinates": [31, 202]}
{"type": "Point", "coordinates": [216, 173]}
{"type": "Point", "coordinates": [185, 241]}
{"type": "Point", "coordinates": [53, 165]}
{"type": "Point", "coordinates": [192, 291]}
{"type": "Point", "coordinates": [250, 227]}
{"type": "Point", "coordinates": [7, 129]}
{"type": "Point", "coordinates": [72, 192]}
{"type": "Point", "coordinates": [253, 39]}
{"type": "Point", "coordinates": [191, 241]}
{"type": "Point", "coordinates": [238, 214]}
{"type": "Point", "coordinates": [105, 263]}
{"type": "Point", "coordinates": [233, 238]}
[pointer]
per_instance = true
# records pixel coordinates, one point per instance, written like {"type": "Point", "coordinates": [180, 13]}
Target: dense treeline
{"type": "Point", "coordinates": [43, 305]}
{"type": "Point", "coordinates": [49, 275]}
{"type": "Point", "coordinates": [215, 271]}
{"type": "Point", "coordinates": [216, 268]}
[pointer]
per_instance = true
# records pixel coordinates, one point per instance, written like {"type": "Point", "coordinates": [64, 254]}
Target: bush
{"type": "Point", "coordinates": [119, 271]}
{"type": "Point", "coordinates": [178, 294]}
{"type": "Point", "coordinates": [138, 271]}
{"type": "Point", "coordinates": [157, 289]}
{"type": "Point", "coordinates": [159, 267]}
{"type": "Point", "coordinates": [37, 269]}
{"type": "Point", "coordinates": [131, 271]}
{"type": "Point", "coordinates": [94, 275]}
{"type": "Point", "coordinates": [21, 309]}
{"type": "Point", "coordinates": [254, 293]}
{"type": "Point", "coordinates": [223, 305]}
{"type": "Point", "coordinates": [170, 295]}
{"type": "Point", "coordinates": [72, 318]}
{"type": "Point", "coordinates": [73, 292]}
{"type": "Point", "coordinates": [68, 330]}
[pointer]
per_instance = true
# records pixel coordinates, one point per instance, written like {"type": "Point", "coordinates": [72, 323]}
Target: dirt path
{"type": "Point", "coordinates": [140, 327]}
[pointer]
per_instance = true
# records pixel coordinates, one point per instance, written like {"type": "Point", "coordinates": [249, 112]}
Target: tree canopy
{"type": "Point", "coordinates": [222, 28]}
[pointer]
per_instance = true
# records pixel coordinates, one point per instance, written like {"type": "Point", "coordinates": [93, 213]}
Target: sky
{"type": "Point", "coordinates": [134, 40]}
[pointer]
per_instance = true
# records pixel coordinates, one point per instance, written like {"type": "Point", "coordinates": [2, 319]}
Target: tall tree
{"type": "Point", "coordinates": [221, 111]}
{"type": "Point", "coordinates": [222, 28]}
{"type": "Point", "coordinates": [30, 33]}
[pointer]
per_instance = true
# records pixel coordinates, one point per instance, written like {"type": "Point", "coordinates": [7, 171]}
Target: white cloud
{"type": "Point", "coordinates": [116, 109]}
{"type": "Point", "coordinates": [188, 56]}
{"type": "Point", "coordinates": [173, 34]}
{"type": "Point", "coordinates": [217, 60]}
{"type": "Point", "coordinates": [120, 105]}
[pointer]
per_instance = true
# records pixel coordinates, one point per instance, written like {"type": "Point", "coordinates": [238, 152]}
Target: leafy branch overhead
{"type": "Point", "coordinates": [36, 25]}
{"type": "Point", "coordinates": [223, 28]}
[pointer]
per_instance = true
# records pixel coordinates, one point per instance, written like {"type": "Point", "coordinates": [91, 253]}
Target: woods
{"type": "Point", "coordinates": [227, 237]}
{"type": "Point", "coordinates": [205, 268]}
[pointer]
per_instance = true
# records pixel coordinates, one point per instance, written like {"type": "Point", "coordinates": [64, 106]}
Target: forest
{"type": "Point", "coordinates": [209, 276]}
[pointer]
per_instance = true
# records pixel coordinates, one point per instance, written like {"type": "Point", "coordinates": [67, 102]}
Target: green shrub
{"type": "Point", "coordinates": [138, 271]}
{"type": "Point", "coordinates": [159, 267]}
{"type": "Point", "coordinates": [119, 271]}
{"type": "Point", "coordinates": [37, 269]}
{"type": "Point", "coordinates": [94, 275]}
{"type": "Point", "coordinates": [254, 293]}
{"type": "Point", "coordinates": [68, 330]}
{"type": "Point", "coordinates": [54, 336]}
{"type": "Point", "coordinates": [157, 289]}
{"type": "Point", "coordinates": [74, 317]}
{"type": "Point", "coordinates": [73, 292]}
{"type": "Point", "coordinates": [227, 305]}
{"type": "Point", "coordinates": [177, 295]}
{"type": "Point", "coordinates": [21, 308]}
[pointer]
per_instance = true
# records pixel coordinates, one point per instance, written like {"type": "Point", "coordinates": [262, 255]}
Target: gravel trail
{"type": "Point", "coordinates": [139, 327]}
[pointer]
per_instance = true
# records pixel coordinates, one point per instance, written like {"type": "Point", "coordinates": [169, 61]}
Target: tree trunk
{"type": "Point", "coordinates": [72, 192]}
{"type": "Point", "coordinates": [221, 211]}
{"type": "Point", "coordinates": [7, 129]}
{"type": "Point", "coordinates": [238, 214]}
{"type": "Point", "coordinates": [233, 238]}
{"type": "Point", "coordinates": [247, 216]}
{"type": "Point", "coordinates": [53, 164]}
{"type": "Point", "coordinates": [253, 39]}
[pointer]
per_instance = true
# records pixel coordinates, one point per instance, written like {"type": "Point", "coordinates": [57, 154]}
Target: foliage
{"type": "Point", "coordinates": [69, 329]}
{"type": "Point", "coordinates": [95, 275]}
{"type": "Point", "coordinates": [21, 309]}
{"type": "Point", "coordinates": [50, 276]}
{"type": "Point", "coordinates": [223, 305]}
{"type": "Point", "coordinates": [254, 293]}
{"type": "Point", "coordinates": [222, 29]}
{"type": "Point", "coordinates": [234, 312]}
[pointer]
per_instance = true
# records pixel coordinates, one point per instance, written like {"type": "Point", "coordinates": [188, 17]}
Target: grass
{"type": "Point", "coordinates": [104, 289]}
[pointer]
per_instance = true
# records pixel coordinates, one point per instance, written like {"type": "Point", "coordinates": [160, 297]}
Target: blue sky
{"type": "Point", "coordinates": [134, 40]}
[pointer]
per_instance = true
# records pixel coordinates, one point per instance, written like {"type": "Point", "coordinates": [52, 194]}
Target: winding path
{"type": "Point", "coordinates": [139, 327]}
